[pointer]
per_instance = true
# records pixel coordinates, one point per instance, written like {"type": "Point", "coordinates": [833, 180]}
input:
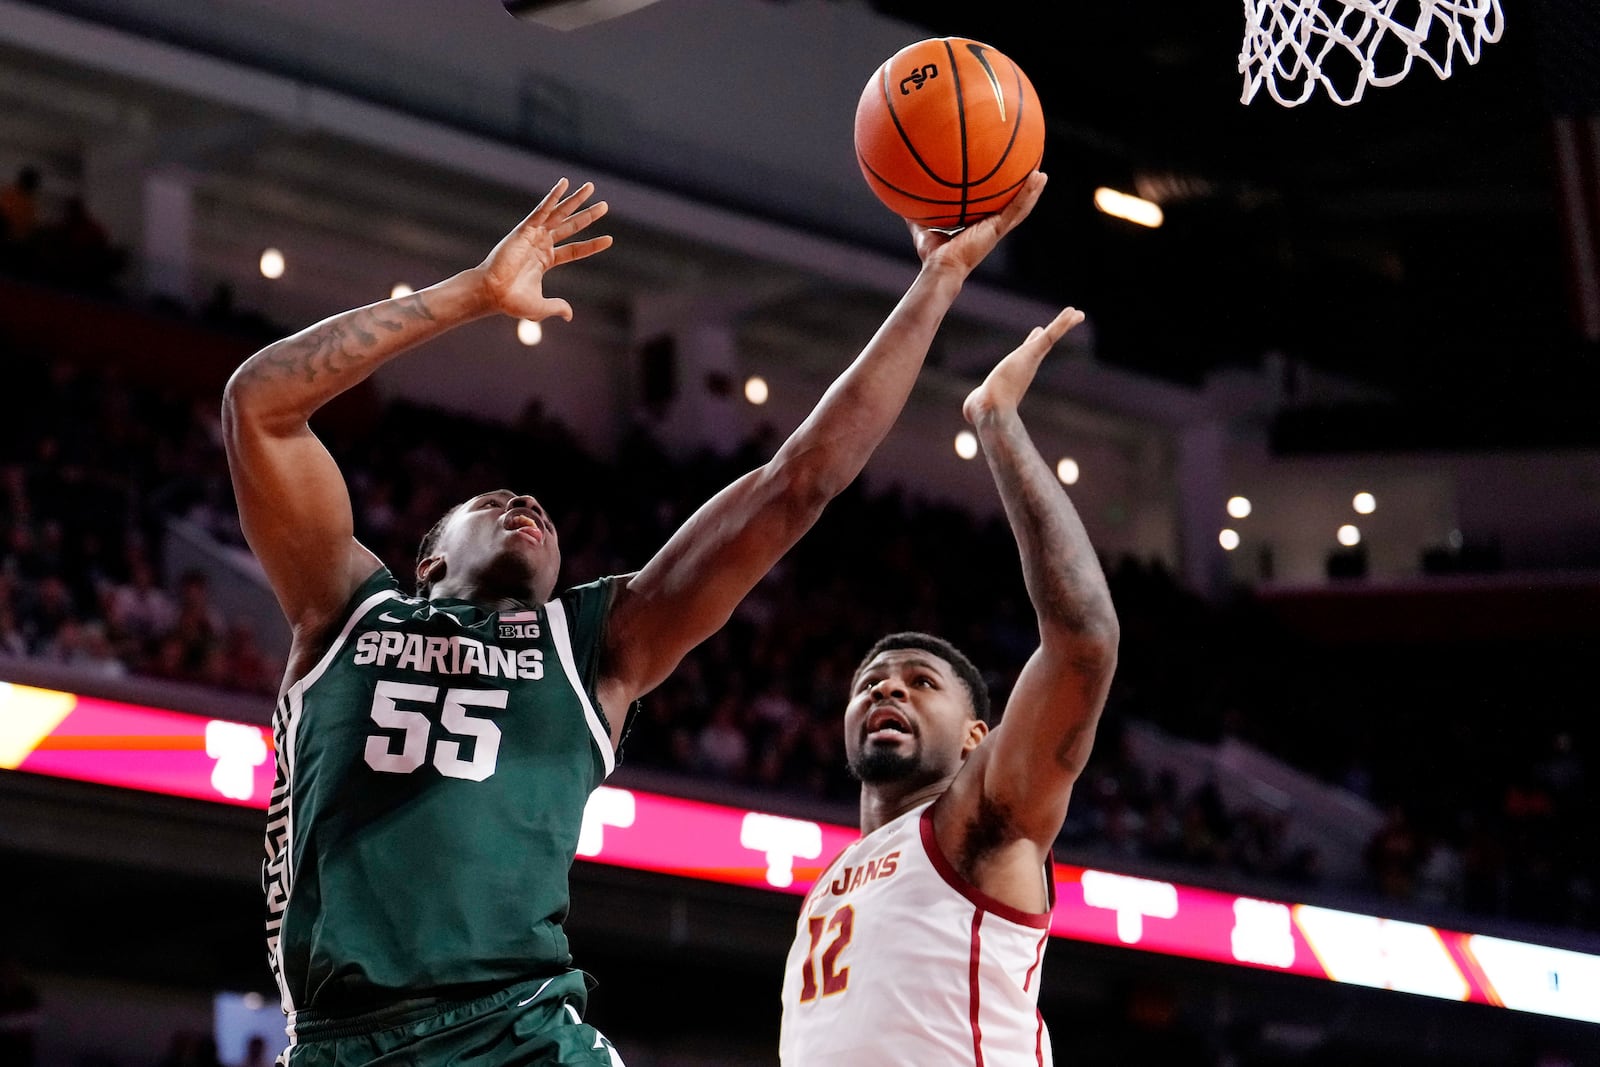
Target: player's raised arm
{"type": "Point", "coordinates": [687, 591]}
{"type": "Point", "coordinates": [1026, 768]}
{"type": "Point", "coordinates": [293, 503]}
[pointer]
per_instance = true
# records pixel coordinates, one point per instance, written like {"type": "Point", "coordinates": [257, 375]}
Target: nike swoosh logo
{"type": "Point", "coordinates": [994, 80]}
{"type": "Point", "coordinates": [386, 617]}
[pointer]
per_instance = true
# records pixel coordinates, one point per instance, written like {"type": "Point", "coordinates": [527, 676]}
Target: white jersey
{"type": "Point", "coordinates": [897, 960]}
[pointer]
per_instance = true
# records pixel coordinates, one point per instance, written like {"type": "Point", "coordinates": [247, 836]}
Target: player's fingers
{"type": "Point", "coordinates": [545, 206]}
{"type": "Point", "coordinates": [575, 222]}
{"type": "Point", "coordinates": [1064, 321]}
{"type": "Point", "coordinates": [1041, 339]}
{"type": "Point", "coordinates": [1029, 354]}
{"type": "Point", "coordinates": [555, 308]}
{"type": "Point", "coordinates": [1023, 202]}
{"type": "Point", "coordinates": [580, 249]}
{"type": "Point", "coordinates": [572, 203]}
{"type": "Point", "coordinates": [994, 227]}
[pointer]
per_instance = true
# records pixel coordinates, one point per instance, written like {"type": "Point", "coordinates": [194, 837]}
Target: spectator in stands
{"type": "Point", "coordinates": [76, 250]}
{"type": "Point", "coordinates": [1394, 855]}
{"type": "Point", "coordinates": [247, 666]}
{"type": "Point", "coordinates": [45, 608]}
{"type": "Point", "coordinates": [12, 641]}
{"type": "Point", "coordinates": [722, 748]}
{"type": "Point", "coordinates": [21, 557]}
{"type": "Point", "coordinates": [19, 207]}
{"type": "Point", "coordinates": [199, 625]}
{"type": "Point", "coordinates": [169, 660]}
{"type": "Point", "coordinates": [84, 647]}
{"type": "Point", "coordinates": [1198, 843]}
{"type": "Point", "coordinates": [1163, 824]}
{"type": "Point", "coordinates": [139, 605]}
{"type": "Point", "coordinates": [1439, 876]}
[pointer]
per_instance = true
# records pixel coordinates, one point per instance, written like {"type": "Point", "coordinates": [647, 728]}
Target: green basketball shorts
{"type": "Point", "coordinates": [538, 1023]}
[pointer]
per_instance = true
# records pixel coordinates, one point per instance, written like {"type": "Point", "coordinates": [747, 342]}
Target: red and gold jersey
{"type": "Point", "coordinates": [897, 960]}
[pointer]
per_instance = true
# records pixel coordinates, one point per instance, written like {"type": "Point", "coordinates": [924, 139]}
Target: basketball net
{"type": "Point", "coordinates": [1287, 42]}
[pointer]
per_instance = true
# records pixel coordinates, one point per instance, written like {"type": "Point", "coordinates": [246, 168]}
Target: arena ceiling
{"type": "Point", "coordinates": [1414, 241]}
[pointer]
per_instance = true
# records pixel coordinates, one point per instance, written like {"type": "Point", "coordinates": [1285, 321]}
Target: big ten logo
{"type": "Point", "coordinates": [517, 631]}
{"type": "Point", "coordinates": [917, 78]}
{"type": "Point", "coordinates": [783, 841]}
{"type": "Point", "coordinates": [1133, 899]}
{"type": "Point", "coordinates": [238, 749]}
{"type": "Point", "coordinates": [606, 807]}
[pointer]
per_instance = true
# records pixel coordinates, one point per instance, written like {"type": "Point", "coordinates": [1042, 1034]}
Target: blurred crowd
{"type": "Point", "coordinates": [1490, 817]}
{"type": "Point", "coordinates": [52, 236]}
{"type": "Point", "coordinates": [89, 471]}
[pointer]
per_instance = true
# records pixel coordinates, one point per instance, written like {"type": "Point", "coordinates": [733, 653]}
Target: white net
{"type": "Point", "coordinates": [1292, 46]}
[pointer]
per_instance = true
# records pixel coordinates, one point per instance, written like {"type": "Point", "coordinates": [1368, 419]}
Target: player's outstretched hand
{"type": "Point", "coordinates": [1003, 389]}
{"type": "Point", "coordinates": [964, 250]}
{"type": "Point", "coordinates": [512, 275]}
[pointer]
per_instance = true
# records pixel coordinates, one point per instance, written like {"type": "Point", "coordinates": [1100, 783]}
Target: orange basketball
{"type": "Point", "coordinates": [947, 130]}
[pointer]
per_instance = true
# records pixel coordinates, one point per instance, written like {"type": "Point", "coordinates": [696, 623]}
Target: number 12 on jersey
{"type": "Point", "coordinates": [834, 977]}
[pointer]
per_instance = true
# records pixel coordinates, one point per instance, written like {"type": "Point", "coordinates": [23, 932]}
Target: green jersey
{"type": "Point", "coordinates": [432, 773]}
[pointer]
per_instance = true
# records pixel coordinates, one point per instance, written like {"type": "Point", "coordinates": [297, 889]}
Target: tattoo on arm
{"type": "Point", "coordinates": [340, 342]}
{"type": "Point", "coordinates": [1059, 564]}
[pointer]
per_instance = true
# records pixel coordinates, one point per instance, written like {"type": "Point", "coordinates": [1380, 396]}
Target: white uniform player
{"type": "Point", "coordinates": [921, 945]}
{"type": "Point", "coordinates": [873, 955]}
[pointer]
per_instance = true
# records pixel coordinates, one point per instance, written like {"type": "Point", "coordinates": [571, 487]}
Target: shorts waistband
{"type": "Point", "coordinates": [316, 1026]}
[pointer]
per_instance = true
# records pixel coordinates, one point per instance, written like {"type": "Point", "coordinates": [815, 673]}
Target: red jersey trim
{"type": "Point", "coordinates": [930, 845]}
{"type": "Point", "coordinates": [972, 984]}
{"type": "Point", "coordinates": [1038, 956]}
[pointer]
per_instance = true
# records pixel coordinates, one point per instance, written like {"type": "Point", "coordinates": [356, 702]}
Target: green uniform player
{"type": "Point", "coordinates": [436, 752]}
{"type": "Point", "coordinates": [449, 754]}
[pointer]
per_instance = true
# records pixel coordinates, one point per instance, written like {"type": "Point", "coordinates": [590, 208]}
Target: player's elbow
{"type": "Point", "coordinates": [1089, 639]}
{"type": "Point", "coordinates": [241, 399]}
{"type": "Point", "coordinates": [248, 405]}
{"type": "Point", "coordinates": [233, 410]}
{"type": "Point", "coordinates": [804, 480]}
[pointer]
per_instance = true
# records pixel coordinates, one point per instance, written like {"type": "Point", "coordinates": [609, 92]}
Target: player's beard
{"type": "Point", "coordinates": [881, 765]}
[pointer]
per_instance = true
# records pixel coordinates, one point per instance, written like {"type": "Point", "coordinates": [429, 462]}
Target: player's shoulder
{"type": "Point", "coordinates": [379, 586]}
{"type": "Point", "coordinates": [608, 585]}
{"type": "Point", "coordinates": [313, 640]}
{"type": "Point", "coordinates": [591, 602]}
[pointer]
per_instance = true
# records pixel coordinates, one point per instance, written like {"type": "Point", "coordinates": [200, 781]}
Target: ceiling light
{"type": "Point", "coordinates": [1134, 209]}
{"type": "Point", "coordinates": [272, 263]}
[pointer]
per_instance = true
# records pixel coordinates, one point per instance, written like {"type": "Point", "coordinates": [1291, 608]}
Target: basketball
{"type": "Point", "coordinates": [947, 130]}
